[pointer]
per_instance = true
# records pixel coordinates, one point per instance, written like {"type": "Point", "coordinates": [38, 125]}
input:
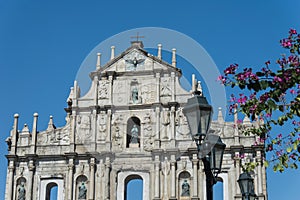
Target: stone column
{"type": "Point", "coordinates": [172, 119]}
{"type": "Point", "coordinates": [259, 174]}
{"type": "Point", "coordinates": [166, 171]}
{"type": "Point", "coordinates": [92, 179]}
{"type": "Point", "coordinates": [195, 177]}
{"type": "Point", "coordinates": [237, 161]}
{"type": "Point", "coordinates": [157, 128]}
{"type": "Point", "coordinates": [34, 133]}
{"type": "Point", "coordinates": [173, 86]}
{"type": "Point", "coordinates": [94, 129]}
{"type": "Point", "coordinates": [72, 134]}
{"type": "Point", "coordinates": [101, 172]}
{"type": "Point", "coordinates": [30, 179]}
{"type": "Point", "coordinates": [157, 179]}
{"type": "Point", "coordinates": [70, 178]}
{"type": "Point", "coordinates": [110, 79]}
{"type": "Point", "coordinates": [173, 177]}
{"type": "Point", "coordinates": [10, 179]}
{"type": "Point", "coordinates": [108, 127]}
{"type": "Point", "coordinates": [157, 76]}
{"type": "Point", "coordinates": [106, 178]}
{"type": "Point", "coordinates": [14, 134]}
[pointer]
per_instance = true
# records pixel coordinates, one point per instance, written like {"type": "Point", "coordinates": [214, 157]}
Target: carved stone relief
{"type": "Point", "coordinates": [55, 136]}
{"type": "Point", "coordinates": [102, 124]}
{"type": "Point", "coordinates": [148, 93]}
{"type": "Point", "coordinates": [165, 89]}
{"type": "Point", "coordinates": [103, 89]}
{"type": "Point", "coordinates": [83, 132]}
{"type": "Point", "coordinates": [182, 128]}
{"type": "Point", "coordinates": [149, 135]}
{"type": "Point", "coordinates": [117, 135]}
{"type": "Point", "coordinates": [134, 61]}
{"type": "Point", "coordinates": [165, 123]}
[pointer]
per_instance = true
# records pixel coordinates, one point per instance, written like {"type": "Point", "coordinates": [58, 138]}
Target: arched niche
{"type": "Point", "coordinates": [49, 184]}
{"type": "Point", "coordinates": [133, 187]}
{"type": "Point", "coordinates": [21, 189]}
{"type": "Point", "coordinates": [81, 187]}
{"type": "Point", "coordinates": [125, 177]}
{"type": "Point", "coordinates": [184, 185]}
{"type": "Point", "coordinates": [133, 133]}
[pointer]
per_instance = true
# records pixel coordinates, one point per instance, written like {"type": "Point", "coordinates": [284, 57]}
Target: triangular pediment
{"type": "Point", "coordinates": [135, 59]}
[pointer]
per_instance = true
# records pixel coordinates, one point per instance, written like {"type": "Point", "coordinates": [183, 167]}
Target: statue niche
{"type": "Point", "coordinates": [135, 94]}
{"type": "Point", "coordinates": [133, 132]}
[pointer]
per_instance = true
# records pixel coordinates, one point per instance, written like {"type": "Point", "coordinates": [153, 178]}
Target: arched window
{"type": "Point", "coordinates": [133, 132]}
{"type": "Point", "coordinates": [184, 184]}
{"type": "Point", "coordinates": [51, 191]}
{"type": "Point", "coordinates": [218, 189]}
{"type": "Point", "coordinates": [81, 187]}
{"type": "Point", "coordinates": [134, 187]}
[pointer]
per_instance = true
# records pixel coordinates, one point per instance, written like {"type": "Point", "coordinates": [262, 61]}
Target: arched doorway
{"type": "Point", "coordinates": [134, 188]}
{"type": "Point", "coordinates": [133, 135]}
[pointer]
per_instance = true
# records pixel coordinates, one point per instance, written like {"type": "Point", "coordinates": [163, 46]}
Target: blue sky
{"type": "Point", "coordinates": [43, 43]}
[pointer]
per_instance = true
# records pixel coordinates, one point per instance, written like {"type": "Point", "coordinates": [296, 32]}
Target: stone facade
{"type": "Point", "coordinates": [129, 125]}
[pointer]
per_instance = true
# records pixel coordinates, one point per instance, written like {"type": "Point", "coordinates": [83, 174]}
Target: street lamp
{"type": "Point", "coordinates": [246, 184]}
{"type": "Point", "coordinates": [210, 147]}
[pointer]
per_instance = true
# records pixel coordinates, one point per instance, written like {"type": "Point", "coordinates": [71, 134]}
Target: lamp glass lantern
{"type": "Point", "coordinates": [216, 156]}
{"type": "Point", "coordinates": [246, 184]}
{"type": "Point", "coordinates": [198, 113]}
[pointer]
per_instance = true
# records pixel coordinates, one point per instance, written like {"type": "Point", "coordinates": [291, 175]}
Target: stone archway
{"type": "Point", "coordinates": [125, 177]}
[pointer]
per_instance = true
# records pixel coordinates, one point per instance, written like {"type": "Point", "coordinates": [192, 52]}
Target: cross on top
{"type": "Point", "coordinates": [137, 37]}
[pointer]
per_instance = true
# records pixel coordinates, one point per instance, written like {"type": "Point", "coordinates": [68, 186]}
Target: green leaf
{"type": "Point", "coordinates": [266, 163]}
{"type": "Point", "coordinates": [289, 149]}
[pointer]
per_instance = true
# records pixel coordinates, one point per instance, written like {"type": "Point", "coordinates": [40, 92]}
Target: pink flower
{"type": "Point", "coordinates": [269, 115]}
{"type": "Point", "coordinates": [292, 91]}
{"type": "Point", "coordinates": [279, 136]}
{"type": "Point", "coordinates": [293, 31]}
{"type": "Point", "coordinates": [277, 79]}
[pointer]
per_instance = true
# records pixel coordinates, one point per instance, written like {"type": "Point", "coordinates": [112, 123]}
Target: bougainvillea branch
{"type": "Point", "coordinates": [272, 95]}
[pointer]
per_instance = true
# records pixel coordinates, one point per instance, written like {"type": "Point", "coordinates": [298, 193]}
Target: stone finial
{"type": "Point", "coordinates": [34, 126]}
{"type": "Point", "coordinates": [235, 116]}
{"type": "Point", "coordinates": [16, 115]}
{"type": "Point", "coordinates": [112, 54]}
{"type": "Point", "coordinates": [25, 129]}
{"type": "Point", "coordinates": [193, 83]}
{"type": "Point", "coordinates": [71, 94]}
{"type": "Point", "coordinates": [246, 120]}
{"type": "Point", "coordinates": [51, 125]}
{"type": "Point", "coordinates": [220, 115]}
{"type": "Point", "coordinates": [174, 57]}
{"type": "Point", "coordinates": [199, 88]}
{"type": "Point", "coordinates": [159, 47]}
{"type": "Point", "coordinates": [98, 66]}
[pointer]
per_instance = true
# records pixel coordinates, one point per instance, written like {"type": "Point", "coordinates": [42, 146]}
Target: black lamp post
{"type": "Point", "coordinates": [247, 186]}
{"type": "Point", "coordinates": [210, 147]}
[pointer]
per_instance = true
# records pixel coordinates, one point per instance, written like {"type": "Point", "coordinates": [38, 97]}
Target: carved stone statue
{"type": "Point", "coordinates": [135, 95]}
{"type": "Point", "coordinates": [22, 192]}
{"type": "Point", "coordinates": [185, 189]}
{"type": "Point", "coordinates": [134, 134]}
{"type": "Point", "coordinates": [82, 191]}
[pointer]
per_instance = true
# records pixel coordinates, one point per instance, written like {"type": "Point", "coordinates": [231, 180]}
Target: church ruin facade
{"type": "Point", "coordinates": [129, 126]}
